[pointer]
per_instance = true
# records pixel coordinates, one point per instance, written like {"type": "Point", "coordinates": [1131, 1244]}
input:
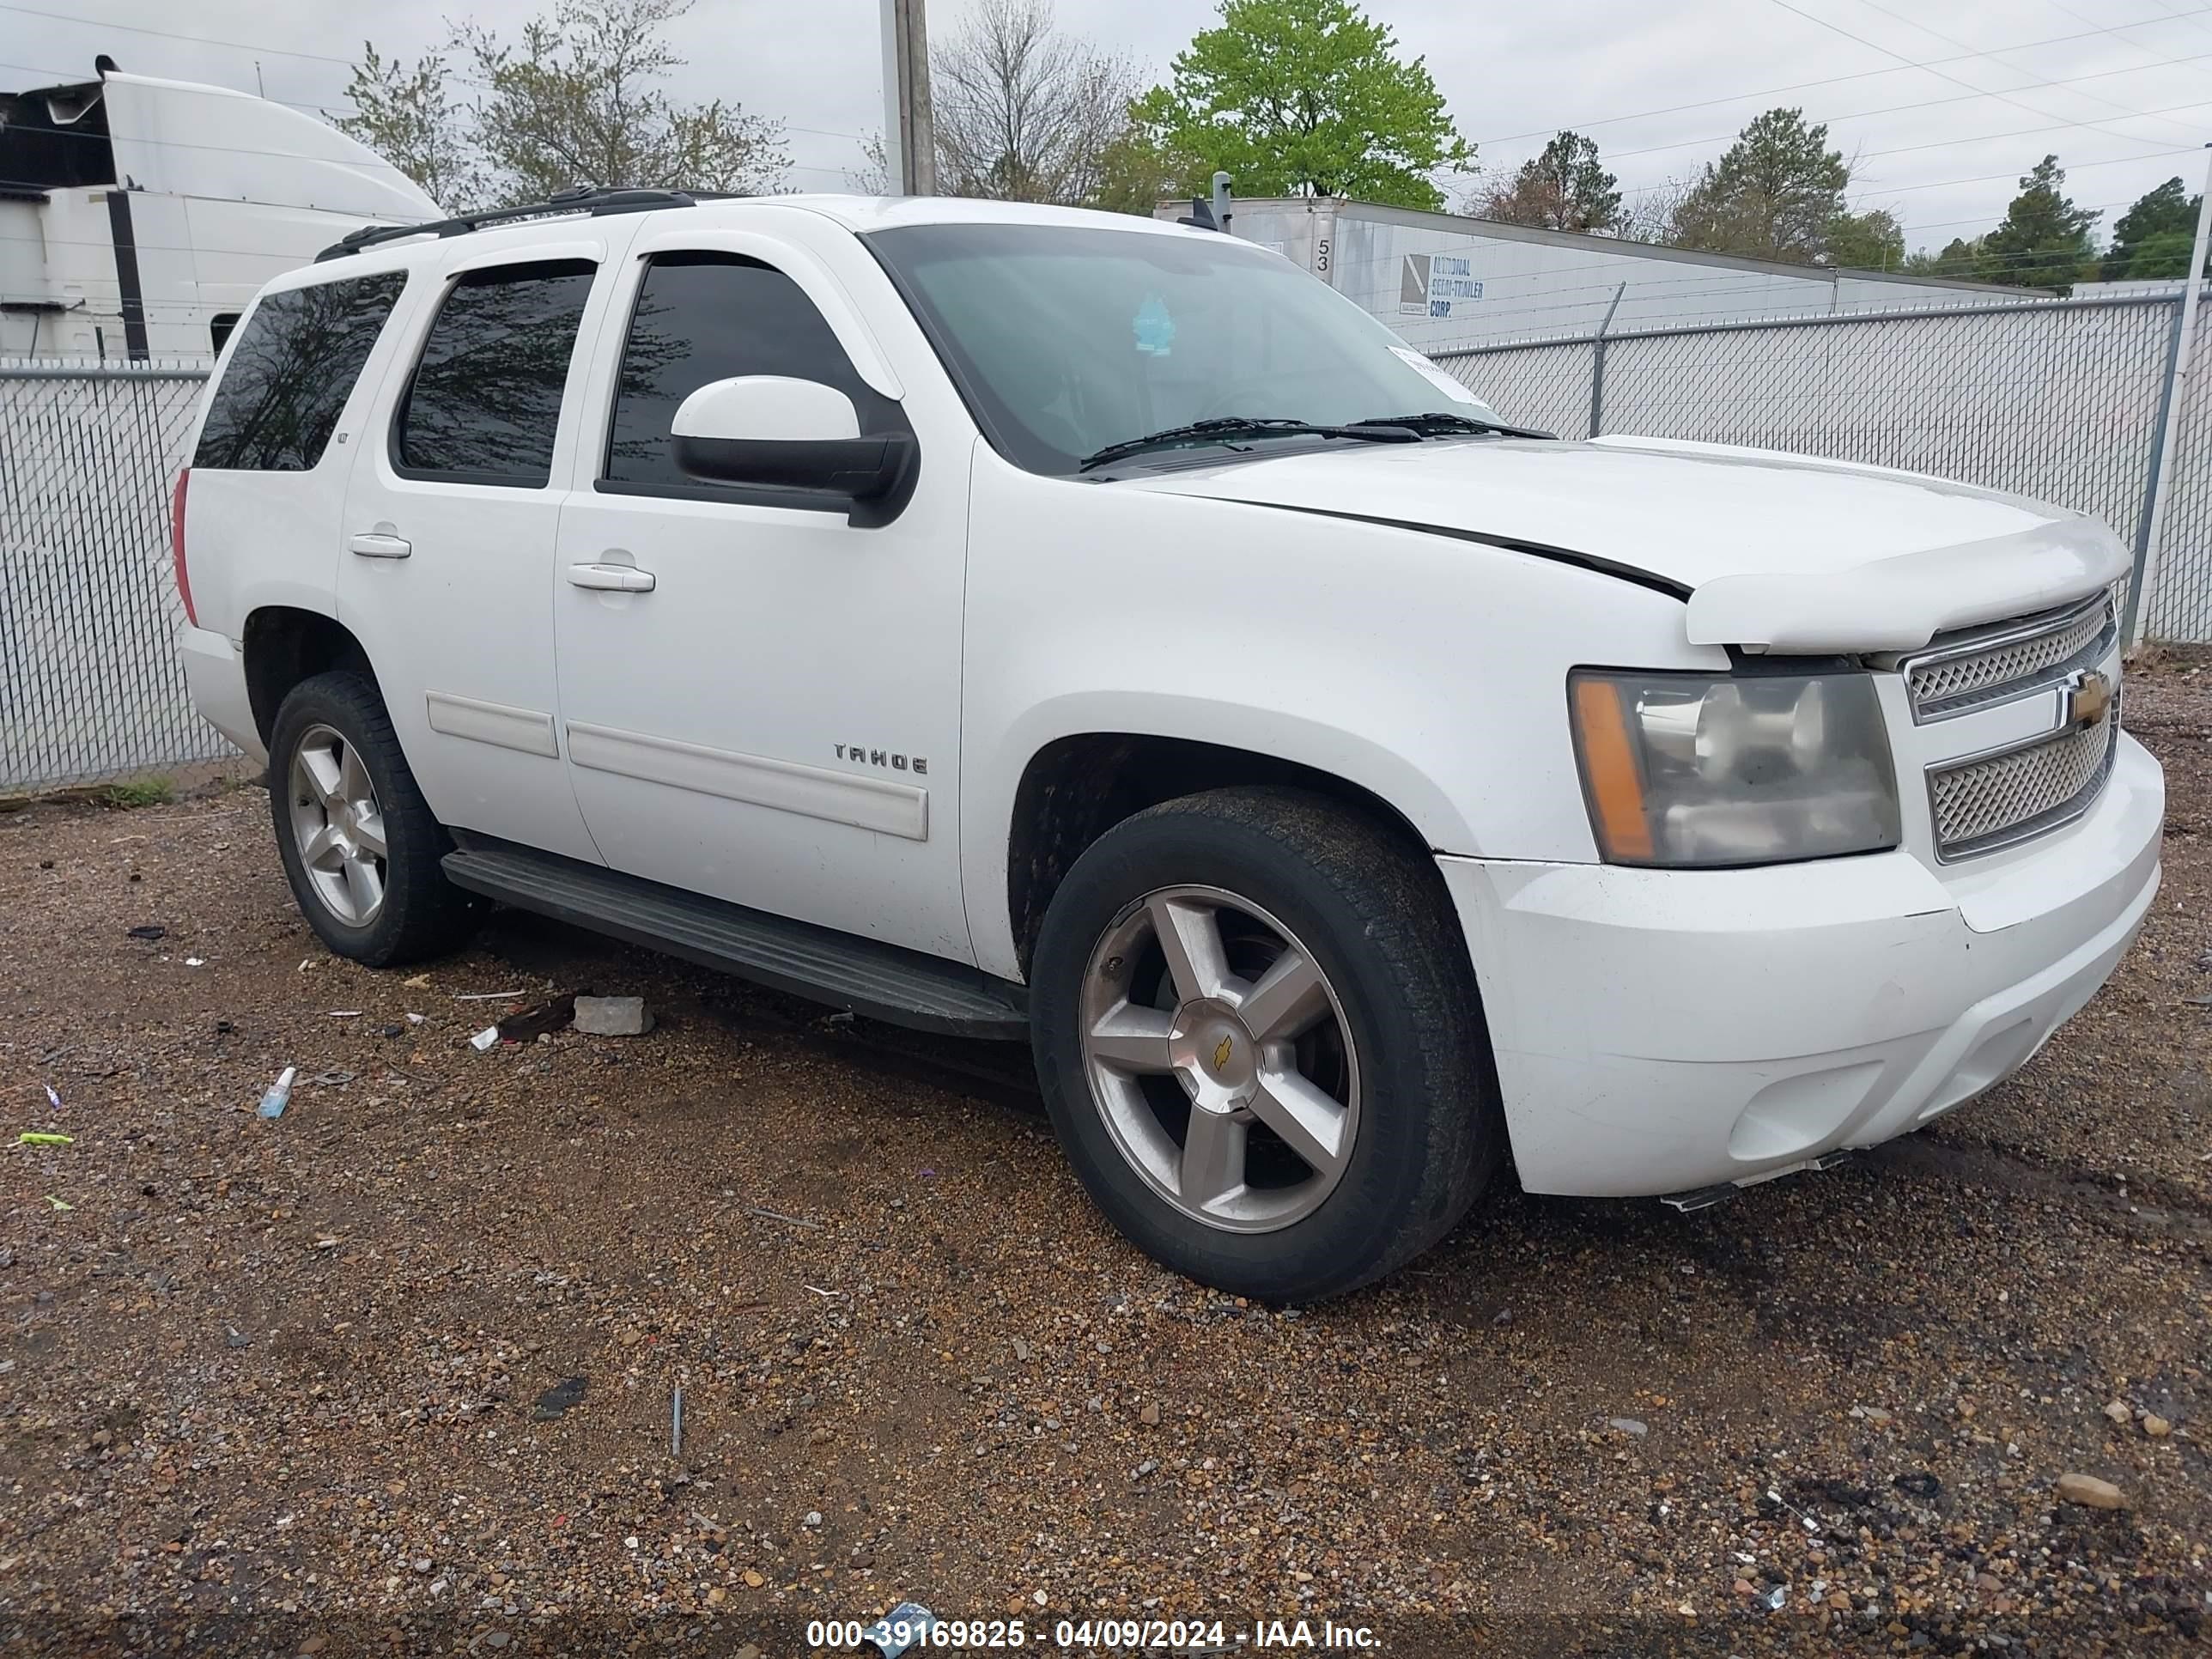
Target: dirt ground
{"type": "Point", "coordinates": [274, 1386]}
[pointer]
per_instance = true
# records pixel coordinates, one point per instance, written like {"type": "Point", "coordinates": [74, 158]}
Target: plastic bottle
{"type": "Point", "coordinates": [280, 1092]}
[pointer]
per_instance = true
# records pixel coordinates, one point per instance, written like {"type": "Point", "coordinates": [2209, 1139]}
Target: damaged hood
{"type": "Point", "coordinates": [1773, 552]}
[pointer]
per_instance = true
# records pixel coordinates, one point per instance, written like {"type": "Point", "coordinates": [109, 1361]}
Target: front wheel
{"type": "Point", "coordinates": [1261, 1043]}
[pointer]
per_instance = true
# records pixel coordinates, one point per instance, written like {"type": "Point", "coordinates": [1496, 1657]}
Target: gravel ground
{"type": "Point", "coordinates": [274, 1386]}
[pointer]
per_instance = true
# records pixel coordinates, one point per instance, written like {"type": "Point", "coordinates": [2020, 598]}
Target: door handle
{"type": "Point", "coordinates": [376, 544]}
{"type": "Point", "coordinates": [611, 578]}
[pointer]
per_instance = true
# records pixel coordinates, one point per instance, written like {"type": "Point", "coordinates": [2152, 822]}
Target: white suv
{"type": "Point", "coordinates": [1050, 625]}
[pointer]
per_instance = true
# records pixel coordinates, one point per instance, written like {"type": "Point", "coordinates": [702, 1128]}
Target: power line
{"type": "Point", "coordinates": [1895, 109]}
{"type": "Point", "coordinates": [71, 77]}
{"type": "Point", "coordinates": [166, 34]}
{"type": "Point", "coordinates": [2117, 30]}
{"type": "Point", "coordinates": [2021, 133]}
{"type": "Point", "coordinates": [1826, 80]}
{"type": "Point", "coordinates": [2082, 166]}
{"type": "Point", "coordinates": [1950, 40]}
{"type": "Point", "coordinates": [1799, 11]}
{"type": "Point", "coordinates": [347, 64]}
{"type": "Point", "coordinates": [1985, 177]}
{"type": "Point", "coordinates": [301, 155]}
{"type": "Point", "coordinates": [2172, 16]}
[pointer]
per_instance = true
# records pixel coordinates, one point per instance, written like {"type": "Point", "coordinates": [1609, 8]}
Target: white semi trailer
{"type": "Point", "coordinates": [139, 215]}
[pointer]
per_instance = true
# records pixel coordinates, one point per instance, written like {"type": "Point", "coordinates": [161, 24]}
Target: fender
{"type": "Point", "coordinates": [1429, 672]}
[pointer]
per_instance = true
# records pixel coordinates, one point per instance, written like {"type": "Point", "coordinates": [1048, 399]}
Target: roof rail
{"type": "Point", "coordinates": [577, 198]}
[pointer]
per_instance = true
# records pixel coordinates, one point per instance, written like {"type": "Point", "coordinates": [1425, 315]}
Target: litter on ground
{"type": "Point", "coordinates": [279, 1093]}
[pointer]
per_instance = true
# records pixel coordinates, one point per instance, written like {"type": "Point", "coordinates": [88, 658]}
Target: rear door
{"type": "Point", "coordinates": [447, 561]}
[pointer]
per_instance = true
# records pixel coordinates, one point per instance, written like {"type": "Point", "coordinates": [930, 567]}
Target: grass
{"type": "Point", "coordinates": [155, 791]}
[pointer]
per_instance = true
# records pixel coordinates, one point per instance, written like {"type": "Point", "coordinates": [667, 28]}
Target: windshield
{"type": "Point", "coordinates": [1066, 340]}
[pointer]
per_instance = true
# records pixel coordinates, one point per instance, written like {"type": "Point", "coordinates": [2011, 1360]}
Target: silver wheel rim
{"type": "Point", "coordinates": [1219, 1057]}
{"type": "Point", "coordinates": [338, 825]}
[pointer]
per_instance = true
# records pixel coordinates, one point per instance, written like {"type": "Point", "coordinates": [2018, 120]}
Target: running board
{"type": "Point", "coordinates": [884, 982]}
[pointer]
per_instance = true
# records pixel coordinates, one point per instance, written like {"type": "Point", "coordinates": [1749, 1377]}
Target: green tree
{"type": "Point", "coordinates": [1564, 188]}
{"type": "Point", "coordinates": [1304, 97]}
{"type": "Point", "coordinates": [407, 116]}
{"type": "Point", "coordinates": [2162, 256]}
{"type": "Point", "coordinates": [1134, 174]}
{"type": "Point", "coordinates": [2144, 237]}
{"type": "Point", "coordinates": [1961, 258]}
{"type": "Point", "coordinates": [578, 100]}
{"type": "Point", "coordinates": [1774, 194]}
{"type": "Point", "coordinates": [2043, 240]}
{"type": "Point", "coordinates": [1872, 240]}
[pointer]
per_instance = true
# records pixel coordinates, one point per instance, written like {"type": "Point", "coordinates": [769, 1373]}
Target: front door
{"type": "Point", "coordinates": [447, 568]}
{"type": "Point", "coordinates": [761, 698]}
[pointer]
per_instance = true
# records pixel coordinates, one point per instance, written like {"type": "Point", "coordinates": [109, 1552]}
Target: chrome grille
{"type": "Point", "coordinates": [1990, 665]}
{"type": "Point", "coordinates": [1979, 805]}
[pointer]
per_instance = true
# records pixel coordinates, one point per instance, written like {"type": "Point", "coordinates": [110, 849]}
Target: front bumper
{"type": "Point", "coordinates": [1660, 1030]}
{"type": "Point", "coordinates": [215, 675]}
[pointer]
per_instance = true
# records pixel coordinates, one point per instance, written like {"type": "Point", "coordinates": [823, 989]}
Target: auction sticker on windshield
{"type": "Point", "coordinates": [1458, 391]}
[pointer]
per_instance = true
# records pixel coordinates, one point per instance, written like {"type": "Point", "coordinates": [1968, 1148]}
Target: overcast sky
{"type": "Point", "coordinates": [2120, 89]}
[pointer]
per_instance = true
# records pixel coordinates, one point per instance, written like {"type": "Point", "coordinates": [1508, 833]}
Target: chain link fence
{"type": "Point", "coordinates": [90, 690]}
{"type": "Point", "coordinates": [2057, 399]}
{"type": "Point", "coordinates": [2180, 593]}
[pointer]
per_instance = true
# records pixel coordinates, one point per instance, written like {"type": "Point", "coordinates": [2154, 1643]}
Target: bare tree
{"type": "Point", "coordinates": [1649, 215]}
{"type": "Point", "coordinates": [873, 177]}
{"type": "Point", "coordinates": [1023, 111]}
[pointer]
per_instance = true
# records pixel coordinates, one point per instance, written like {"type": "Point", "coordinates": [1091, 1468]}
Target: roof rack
{"type": "Point", "coordinates": [577, 198]}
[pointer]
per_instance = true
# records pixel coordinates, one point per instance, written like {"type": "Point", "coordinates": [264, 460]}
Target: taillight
{"type": "Point", "coordinates": [177, 544]}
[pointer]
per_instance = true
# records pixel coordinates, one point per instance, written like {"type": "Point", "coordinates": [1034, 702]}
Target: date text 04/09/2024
{"type": "Point", "coordinates": [1176, 1636]}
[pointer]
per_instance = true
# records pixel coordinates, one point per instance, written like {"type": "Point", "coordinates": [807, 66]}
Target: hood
{"type": "Point", "coordinates": [1772, 552]}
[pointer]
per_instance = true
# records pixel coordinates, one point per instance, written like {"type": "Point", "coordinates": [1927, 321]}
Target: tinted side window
{"type": "Point", "coordinates": [704, 317]}
{"type": "Point", "coordinates": [287, 383]}
{"type": "Point", "coordinates": [485, 397]}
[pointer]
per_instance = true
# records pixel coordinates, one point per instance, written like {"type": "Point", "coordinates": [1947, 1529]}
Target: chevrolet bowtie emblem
{"type": "Point", "coordinates": [1227, 1048]}
{"type": "Point", "coordinates": [2088, 698]}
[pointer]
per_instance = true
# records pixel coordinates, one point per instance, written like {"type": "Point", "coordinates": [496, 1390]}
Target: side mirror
{"type": "Point", "coordinates": [794, 435]}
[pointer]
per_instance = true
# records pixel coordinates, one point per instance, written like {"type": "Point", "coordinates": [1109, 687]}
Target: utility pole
{"type": "Point", "coordinates": [2150, 542]}
{"type": "Point", "coordinates": [910, 145]}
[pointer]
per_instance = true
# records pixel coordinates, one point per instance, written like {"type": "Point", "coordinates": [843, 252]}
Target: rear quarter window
{"type": "Point", "coordinates": [287, 380]}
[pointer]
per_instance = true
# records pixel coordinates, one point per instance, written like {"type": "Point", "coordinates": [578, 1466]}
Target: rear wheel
{"type": "Point", "coordinates": [1259, 1041]}
{"type": "Point", "coordinates": [360, 846]}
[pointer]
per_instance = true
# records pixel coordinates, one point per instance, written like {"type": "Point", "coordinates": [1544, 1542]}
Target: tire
{"type": "Point", "coordinates": [1392, 1040]}
{"type": "Point", "coordinates": [339, 720]}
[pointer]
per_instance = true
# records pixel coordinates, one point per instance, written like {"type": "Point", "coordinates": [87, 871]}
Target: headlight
{"type": "Point", "coordinates": [1694, 769]}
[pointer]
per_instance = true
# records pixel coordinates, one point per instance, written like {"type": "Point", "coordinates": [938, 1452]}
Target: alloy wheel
{"type": "Point", "coordinates": [338, 825]}
{"type": "Point", "coordinates": [1219, 1057]}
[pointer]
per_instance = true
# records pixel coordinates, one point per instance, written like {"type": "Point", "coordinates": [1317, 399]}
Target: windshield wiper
{"type": "Point", "coordinates": [1222, 428]}
{"type": "Point", "coordinates": [1437, 421]}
